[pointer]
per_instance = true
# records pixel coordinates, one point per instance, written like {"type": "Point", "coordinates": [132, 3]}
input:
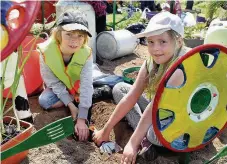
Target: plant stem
{"type": "Point", "coordinates": [17, 78]}
{"type": "Point", "coordinates": [1, 98]}
{"type": "Point", "coordinates": [8, 110]}
{"type": "Point", "coordinates": [13, 88]}
{"type": "Point", "coordinates": [3, 87]}
{"type": "Point", "coordinates": [15, 113]}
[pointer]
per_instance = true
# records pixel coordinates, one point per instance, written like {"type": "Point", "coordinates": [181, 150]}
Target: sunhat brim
{"type": "Point", "coordinates": [151, 33]}
{"type": "Point", "coordinates": [76, 26]}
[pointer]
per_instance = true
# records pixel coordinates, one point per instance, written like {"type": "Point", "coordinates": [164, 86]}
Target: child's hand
{"type": "Point", "coordinates": [100, 136]}
{"type": "Point", "coordinates": [129, 154]}
{"type": "Point", "coordinates": [81, 129]}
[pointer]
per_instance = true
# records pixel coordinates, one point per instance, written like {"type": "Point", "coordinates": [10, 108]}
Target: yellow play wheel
{"type": "Point", "coordinates": [4, 37]}
{"type": "Point", "coordinates": [17, 19]}
{"type": "Point", "coordinates": [188, 117]}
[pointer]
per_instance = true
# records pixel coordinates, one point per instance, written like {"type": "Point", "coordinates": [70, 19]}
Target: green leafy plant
{"type": "Point", "coordinates": [190, 31]}
{"type": "Point", "coordinates": [216, 9]}
{"type": "Point", "coordinates": [123, 21]}
{"type": "Point", "coordinates": [38, 28]}
{"type": "Point", "coordinates": [134, 19]}
{"type": "Point", "coordinates": [134, 3]}
{"type": "Point", "coordinates": [13, 87]}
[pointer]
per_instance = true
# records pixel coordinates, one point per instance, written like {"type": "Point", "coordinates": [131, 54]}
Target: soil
{"type": "Point", "coordinates": [10, 132]}
{"type": "Point", "coordinates": [75, 152]}
{"type": "Point", "coordinates": [132, 75]}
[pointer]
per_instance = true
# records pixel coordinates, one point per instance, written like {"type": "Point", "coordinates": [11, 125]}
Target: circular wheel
{"type": "Point", "coordinates": [188, 117]}
{"type": "Point", "coordinates": [19, 18]}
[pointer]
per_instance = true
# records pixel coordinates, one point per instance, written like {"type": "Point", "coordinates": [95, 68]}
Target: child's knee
{"type": "Point", "coordinates": [151, 136]}
{"type": "Point", "coordinates": [116, 88]}
{"type": "Point", "coordinates": [43, 102]}
{"type": "Point", "coordinates": [120, 88]}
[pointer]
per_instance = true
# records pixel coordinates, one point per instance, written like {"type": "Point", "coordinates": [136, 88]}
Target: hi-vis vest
{"type": "Point", "coordinates": [69, 75]}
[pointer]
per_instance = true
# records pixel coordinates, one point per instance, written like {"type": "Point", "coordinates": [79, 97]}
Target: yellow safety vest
{"type": "Point", "coordinates": [69, 75]}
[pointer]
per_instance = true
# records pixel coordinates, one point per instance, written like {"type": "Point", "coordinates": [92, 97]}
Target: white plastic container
{"type": "Point", "coordinates": [217, 33]}
{"type": "Point", "coordinates": [87, 9]}
{"type": "Point", "coordinates": [114, 44]}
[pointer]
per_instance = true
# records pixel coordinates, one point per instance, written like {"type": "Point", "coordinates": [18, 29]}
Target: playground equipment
{"type": "Point", "coordinates": [16, 21]}
{"type": "Point", "coordinates": [87, 9]}
{"type": "Point", "coordinates": [195, 112]}
{"type": "Point", "coordinates": [114, 44]}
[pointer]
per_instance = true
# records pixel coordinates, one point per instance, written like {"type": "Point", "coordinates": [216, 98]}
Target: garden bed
{"type": "Point", "coordinates": [69, 151]}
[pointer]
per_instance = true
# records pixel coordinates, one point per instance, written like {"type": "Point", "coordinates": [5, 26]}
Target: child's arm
{"type": "Point", "coordinates": [86, 91]}
{"type": "Point", "coordinates": [124, 106]}
{"type": "Point", "coordinates": [176, 79]}
{"type": "Point", "coordinates": [131, 149]}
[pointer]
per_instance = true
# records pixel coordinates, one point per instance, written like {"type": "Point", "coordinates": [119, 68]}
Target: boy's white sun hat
{"type": "Point", "coordinates": [161, 23]}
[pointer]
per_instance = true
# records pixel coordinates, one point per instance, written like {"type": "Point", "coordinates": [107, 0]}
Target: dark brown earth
{"type": "Point", "coordinates": [72, 152]}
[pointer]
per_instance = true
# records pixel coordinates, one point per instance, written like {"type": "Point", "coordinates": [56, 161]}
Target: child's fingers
{"type": "Point", "coordinates": [76, 130]}
{"type": "Point", "coordinates": [84, 134]}
{"type": "Point", "coordinates": [134, 159]}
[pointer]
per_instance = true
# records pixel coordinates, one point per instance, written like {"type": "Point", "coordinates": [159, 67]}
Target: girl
{"type": "Point", "coordinates": [164, 35]}
{"type": "Point", "coordinates": [66, 69]}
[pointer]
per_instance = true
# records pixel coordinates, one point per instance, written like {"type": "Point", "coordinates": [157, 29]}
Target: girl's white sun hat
{"type": "Point", "coordinates": [161, 23]}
